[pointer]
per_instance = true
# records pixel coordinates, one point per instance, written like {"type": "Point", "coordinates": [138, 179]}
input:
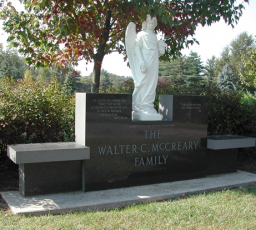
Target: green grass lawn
{"type": "Point", "coordinates": [228, 209]}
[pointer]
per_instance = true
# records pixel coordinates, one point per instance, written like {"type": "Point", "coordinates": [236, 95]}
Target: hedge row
{"type": "Point", "coordinates": [231, 112]}
{"type": "Point", "coordinates": [34, 112]}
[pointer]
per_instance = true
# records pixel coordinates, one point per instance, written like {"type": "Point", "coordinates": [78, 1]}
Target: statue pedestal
{"type": "Point", "coordinates": [146, 117]}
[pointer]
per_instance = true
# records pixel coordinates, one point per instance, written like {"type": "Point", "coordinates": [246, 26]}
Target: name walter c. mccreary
{"type": "Point", "coordinates": [144, 148]}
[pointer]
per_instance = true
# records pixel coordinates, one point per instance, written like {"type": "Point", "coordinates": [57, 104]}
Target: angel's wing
{"type": "Point", "coordinates": [130, 36]}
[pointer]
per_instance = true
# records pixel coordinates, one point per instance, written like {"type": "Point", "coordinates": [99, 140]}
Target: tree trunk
{"type": "Point", "coordinates": [96, 75]}
{"type": "Point", "coordinates": [100, 54]}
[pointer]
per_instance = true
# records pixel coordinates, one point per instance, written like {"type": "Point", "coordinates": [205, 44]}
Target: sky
{"type": "Point", "coordinates": [212, 39]}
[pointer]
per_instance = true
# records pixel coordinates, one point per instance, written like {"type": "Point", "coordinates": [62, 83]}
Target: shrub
{"type": "Point", "coordinates": [34, 112]}
{"type": "Point", "coordinates": [248, 108]}
{"type": "Point", "coordinates": [231, 112]}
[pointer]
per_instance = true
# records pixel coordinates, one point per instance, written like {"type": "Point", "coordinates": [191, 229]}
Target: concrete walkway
{"type": "Point", "coordinates": [117, 198]}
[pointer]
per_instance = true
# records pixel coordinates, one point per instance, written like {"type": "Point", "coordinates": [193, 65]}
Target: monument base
{"type": "Point", "coordinates": [146, 117]}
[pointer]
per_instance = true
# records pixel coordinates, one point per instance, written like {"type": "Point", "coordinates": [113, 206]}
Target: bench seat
{"type": "Point", "coordinates": [46, 168]}
{"type": "Point", "coordinates": [229, 142]}
{"type": "Point", "coordinates": [47, 152]}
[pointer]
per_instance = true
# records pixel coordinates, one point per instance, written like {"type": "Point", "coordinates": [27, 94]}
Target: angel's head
{"type": "Point", "coordinates": [150, 23]}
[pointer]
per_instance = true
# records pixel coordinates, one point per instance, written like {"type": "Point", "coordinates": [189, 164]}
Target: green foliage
{"type": "Point", "coordinates": [231, 112]}
{"type": "Point", "coordinates": [190, 65]}
{"type": "Point", "coordinates": [209, 70]}
{"type": "Point", "coordinates": [241, 46]}
{"type": "Point", "coordinates": [69, 84]}
{"type": "Point", "coordinates": [195, 82]}
{"type": "Point", "coordinates": [231, 54]}
{"type": "Point", "coordinates": [126, 86]}
{"type": "Point", "coordinates": [185, 85]}
{"type": "Point", "coordinates": [248, 73]}
{"type": "Point", "coordinates": [83, 84]}
{"type": "Point", "coordinates": [173, 86]}
{"type": "Point", "coordinates": [248, 108]}
{"type": "Point", "coordinates": [172, 68]}
{"type": "Point", "coordinates": [34, 112]}
{"type": "Point", "coordinates": [11, 65]}
{"type": "Point", "coordinates": [44, 74]}
{"type": "Point", "coordinates": [109, 83]}
{"type": "Point", "coordinates": [193, 65]}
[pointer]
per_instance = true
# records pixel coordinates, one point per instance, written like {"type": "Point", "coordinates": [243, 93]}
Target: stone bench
{"type": "Point", "coordinates": [49, 167]}
{"type": "Point", "coordinates": [222, 151]}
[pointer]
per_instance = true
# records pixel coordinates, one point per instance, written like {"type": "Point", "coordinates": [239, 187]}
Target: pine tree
{"type": "Point", "coordinates": [69, 84]}
{"type": "Point", "coordinates": [209, 69]}
{"type": "Point", "coordinates": [226, 79]}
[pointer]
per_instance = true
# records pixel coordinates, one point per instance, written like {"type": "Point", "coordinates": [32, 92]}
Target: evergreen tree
{"type": "Point", "coordinates": [209, 69]}
{"type": "Point", "coordinates": [69, 83]}
{"type": "Point", "coordinates": [193, 65]}
{"type": "Point", "coordinates": [172, 68]}
{"type": "Point", "coordinates": [226, 79]}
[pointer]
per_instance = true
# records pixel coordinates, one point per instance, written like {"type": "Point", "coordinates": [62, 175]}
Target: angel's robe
{"type": "Point", "coordinates": [145, 83]}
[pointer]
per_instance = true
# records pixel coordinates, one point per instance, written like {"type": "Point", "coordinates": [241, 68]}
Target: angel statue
{"type": "Point", "coordinates": [143, 50]}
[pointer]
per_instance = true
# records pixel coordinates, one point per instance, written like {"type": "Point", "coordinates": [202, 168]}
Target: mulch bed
{"type": "Point", "coordinates": [9, 176]}
{"type": "Point", "coordinates": [9, 180]}
{"type": "Point", "coordinates": [247, 160]}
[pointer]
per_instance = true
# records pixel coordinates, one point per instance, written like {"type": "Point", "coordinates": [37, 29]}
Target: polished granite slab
{"type": "Point", "coordinates": [125, 152]}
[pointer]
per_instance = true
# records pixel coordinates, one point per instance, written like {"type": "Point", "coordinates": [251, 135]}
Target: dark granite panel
{"type": "Point", "coordinates": [185, 108]}
{"type": "Point", "coordinates": [127, 153]}
{"type": "Point", "coordinates": [108, 107]}
{"type": "Point", "coordinates": [221, 161]}
{"type": "Point", "coordinates": [50, 177]}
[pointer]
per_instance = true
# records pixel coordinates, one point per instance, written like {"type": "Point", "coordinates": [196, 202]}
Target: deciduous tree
{"type": "Point", "coordinates": [11, 64]}
{"type": "Point", "coordinates": [232, 53]}
{"type": "Point", "coordinates": [248, 73]}
{"type": "Point", "coordinates": [61, 31]}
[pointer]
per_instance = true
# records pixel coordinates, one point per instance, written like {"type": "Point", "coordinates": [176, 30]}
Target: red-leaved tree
{"type": "Point", "coordinates": [66, 31]}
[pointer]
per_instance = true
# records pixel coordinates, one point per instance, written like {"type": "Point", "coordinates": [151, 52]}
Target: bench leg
{"type": "Point", "coordinates": [50, 177]}
{"type": "Point", "coordinates": [221, 161]}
